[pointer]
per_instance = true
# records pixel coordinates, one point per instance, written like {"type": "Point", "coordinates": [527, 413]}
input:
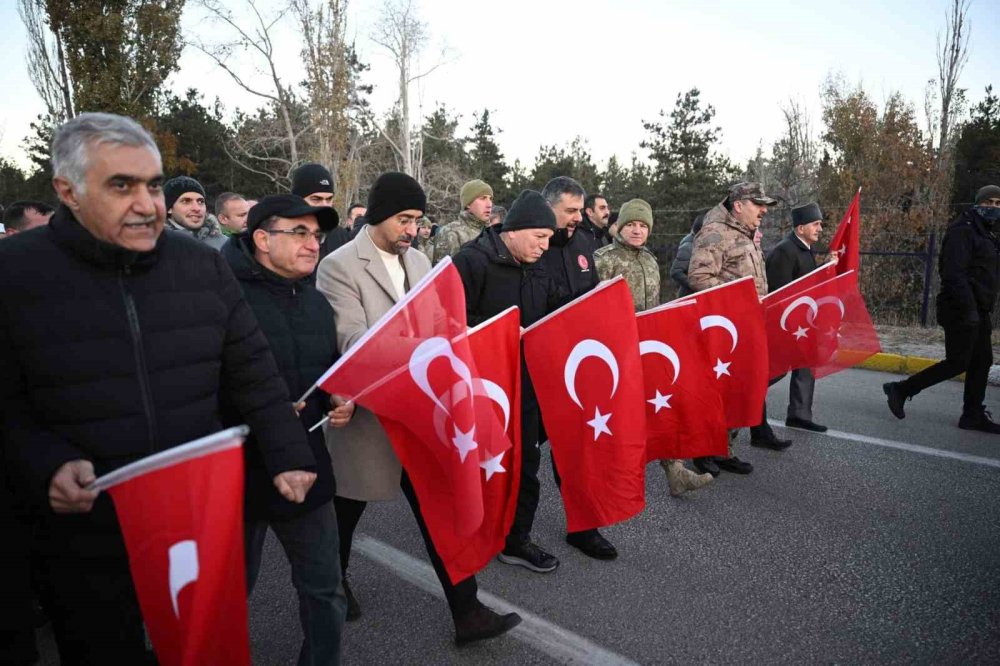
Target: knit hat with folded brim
{"type": "Point", "coordinates": [393, 193]}
{"type": "Point", "coordinates": [530, 211]}
{"type": "Point", "coordinates": [635, 210]}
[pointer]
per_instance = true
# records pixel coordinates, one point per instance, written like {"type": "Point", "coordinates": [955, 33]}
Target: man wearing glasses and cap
{"type": "Point", "coordinates": [274, 260]}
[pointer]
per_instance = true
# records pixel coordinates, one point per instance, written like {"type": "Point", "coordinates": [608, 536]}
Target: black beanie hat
{"type": "Point", "coordinates": [393, 193]}
{"type": "Point", "coordinates": [311, 178]}
{"type": "Point", "coordinates": [806, 214]}
{"type": "Point", "coordinates": [530, 211]}
{"type": "Point", "coordinates": [175, 187]}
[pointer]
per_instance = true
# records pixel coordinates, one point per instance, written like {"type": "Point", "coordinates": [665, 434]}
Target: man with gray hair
{"type": "Point", "coordinates": [126, 348]}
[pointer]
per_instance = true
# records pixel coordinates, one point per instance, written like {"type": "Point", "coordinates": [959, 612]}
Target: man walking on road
{"type": "Point", "coordinates": [969, 265]}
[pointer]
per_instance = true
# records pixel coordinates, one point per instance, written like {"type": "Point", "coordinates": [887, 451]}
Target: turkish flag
{"type": "Point", "coordinates": [684, 413]}
{"type": "Point", "coordinates": [414, 369]}
{"type": "Point", "coordinates": [846, 241]}
{"type": "Point", "coordinates": [827, 271]}
{"type": "Point", "coordinates": [181, 515]}
{"type": "Point", "coordinates": [857, 339]}
{"type": "Point", "coordinates": [802, 327]}
{"type": "Point", "coordinates": [732, 322]}
{"type": "Point", "coordinates": [495, 344]}
{"type": "Point", "coordinates": [584, 362]}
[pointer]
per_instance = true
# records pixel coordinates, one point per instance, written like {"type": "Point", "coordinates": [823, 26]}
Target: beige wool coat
{"type": "Point", "coordinates": [355, 281]}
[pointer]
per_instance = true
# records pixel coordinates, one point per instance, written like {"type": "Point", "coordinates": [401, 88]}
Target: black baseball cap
{"type": "Point", "coordinates": [290, 206]}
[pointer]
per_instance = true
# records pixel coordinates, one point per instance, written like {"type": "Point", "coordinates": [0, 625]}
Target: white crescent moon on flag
{"type": "Point", "coordinates": [585, 349]}
{"type": "Point", "coordinates": [421, 358]}
{"type": "Point", "coordinates": [495, 393]}
{"type": "Point", "coordinates": [801, 300]}
{"type": "Point", "coordinates": [664, 350]}
{"type": "Point", "coordinates": [829, 300]}
{"type": "Point", "coordinates": [484, 388]}
{"type": "Point", "coordinates": [183, 558]}
{"type": "Point", "coordinates": [718, 321]}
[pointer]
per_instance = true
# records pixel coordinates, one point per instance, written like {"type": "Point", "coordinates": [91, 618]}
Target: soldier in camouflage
{"type": "Point", "coordinates": [724, 250]}
{"type": "Point", "coordinates": [424, 226]}
{"type": "Point", "coordinates": [628, 256]}
{"type": "Point", "coordinates": [477, 204]}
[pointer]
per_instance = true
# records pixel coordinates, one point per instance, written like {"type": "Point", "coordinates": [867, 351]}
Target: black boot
{"type": "Point", "coordinates": [896, 395]}
{"type": "Point", "coordinates": [979, 420]}
{"type": "Point", "coordinates": [480, 623]}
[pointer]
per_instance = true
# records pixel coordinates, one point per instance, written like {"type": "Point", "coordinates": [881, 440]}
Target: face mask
{"type": "Point", "coordinates": [989, 213]}
{"type": "Point", "coordinates": [560, 238]}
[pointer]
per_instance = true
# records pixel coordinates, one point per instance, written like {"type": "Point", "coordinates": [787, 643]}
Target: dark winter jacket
{"type": "Point", "coordinates": [682, 260]}
{"type": "Point", "coordinates": [298, 323]}
{"type": "Point", "coordinates": [595, 236]}
{"type": "Point", "coordinates": [494, 281]}
{"type": "Point", "coordinates": [334, 239]}
{"type": "Point", "coordinates": [110, 355]}
{"type": "Point", "coordinates": [969, 265]}
{"type": "Point", "coordinates": [789, 260]}
{"type": "Point", "coordinates": [571, 265]}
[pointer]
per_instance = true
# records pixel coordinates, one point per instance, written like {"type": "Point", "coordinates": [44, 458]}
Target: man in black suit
{"type": "Point", "coordinates": [789, 260]}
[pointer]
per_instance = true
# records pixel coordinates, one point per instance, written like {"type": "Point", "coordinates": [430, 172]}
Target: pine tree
{"type": "Point", "coordinates": [486, 162]}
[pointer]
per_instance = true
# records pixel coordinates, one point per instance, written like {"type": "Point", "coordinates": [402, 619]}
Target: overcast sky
{"type": "Point", "coordinates": [550, 71]}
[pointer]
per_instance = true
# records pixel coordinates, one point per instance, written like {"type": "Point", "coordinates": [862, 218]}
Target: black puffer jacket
{"type": "Point", "coordinates": [789, 260]}
{"type": "Point", "coordinates": [494, 281]}
{"type": "Point", "coordinates": [298, 323]}
{"type": "Point", "coordinates": [596, 237]}
{"type": "Point", "coordinates": [110, 355]}
{"type": "Point", "coordinates": [969, 265]}
{"type": "Point", "coordinates": [571, 264]}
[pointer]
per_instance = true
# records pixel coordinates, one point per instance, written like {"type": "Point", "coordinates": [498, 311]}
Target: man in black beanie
{"type": "Point", "coordinates": [314, 183]}
{"type": "Point", "coordinates": [969, 265]}
{"type": "Point", "coordinates": [500, 269]}
{"type": "Point", "coordinates": [187, 213]}
{"type": "Point", "coordinates": [789, 260]}
{"type": "Point", "coordinates": [363, 280]}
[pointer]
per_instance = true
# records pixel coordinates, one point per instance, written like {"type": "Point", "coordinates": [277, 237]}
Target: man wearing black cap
{"type": "Point", "coordinates": [187, 213]}
{"type": "Point", "coordinates": [273, 261]}
{"type": "Point", "coordinates": [363, 280]}
{"type": "Point", "coordinates": [500, 269]}
{"type": "Point", "coordinates": [314, 183]}
{"type": "Point", "coordinates": [969, 265]}
{"type": "Point", "coordinates": [789, 260]}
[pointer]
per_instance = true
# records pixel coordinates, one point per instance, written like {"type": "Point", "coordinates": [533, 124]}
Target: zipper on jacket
{"type": "Point", "coordinates": [140, 356]}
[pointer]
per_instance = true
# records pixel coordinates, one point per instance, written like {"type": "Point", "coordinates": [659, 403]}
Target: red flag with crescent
{"type": "Point", "coordinates": [846, 242]}
{"type": "Point", "coordinates": [584, 363]}
{"type": "Point", "coordinates": [181, 516]}
{"type": "Point", "coordinates": [684, 413]}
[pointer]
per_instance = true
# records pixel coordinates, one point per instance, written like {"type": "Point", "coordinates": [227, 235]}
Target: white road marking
{"type": "Point", "coordinates": [561, 644]}
{"type": "Point", "coordinates": [903, 446]}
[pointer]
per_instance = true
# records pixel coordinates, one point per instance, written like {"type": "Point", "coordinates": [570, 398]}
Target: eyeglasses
{"type": "Point", "coordinates": [301, 234]}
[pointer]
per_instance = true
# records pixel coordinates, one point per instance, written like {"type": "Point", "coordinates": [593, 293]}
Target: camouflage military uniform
{"type": "Point", "coordinates": [426, 246]}
{"type": "Point", "coordinates": [637, 265]}
{"type": "Point", "coordinates": [724, 251]}
{"type": "Point", "coordinates": [451, 237]}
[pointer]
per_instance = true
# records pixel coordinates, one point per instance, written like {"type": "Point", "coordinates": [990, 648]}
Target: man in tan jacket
{"type": "Point", "coordinates": [363, 280]}
{"type": "Point", "coordinates": [725, 250]}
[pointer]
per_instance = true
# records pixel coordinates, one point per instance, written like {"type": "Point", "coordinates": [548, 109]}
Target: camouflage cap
{"type": "Point", "coordinates": [752, 191]}
{"type": "Point", "coordinates": [425, 222]}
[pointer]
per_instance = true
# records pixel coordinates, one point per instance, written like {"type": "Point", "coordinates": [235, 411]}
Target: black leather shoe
{"type": "Point", "coordinates": [481, 623]}
{"type": "Point", "coordinates": [706, 466]}
{"type": "Point", "coordinates": [734, 465]}
{"type": "Point", "coordinates": [802, 424]}
{"type": "Point", "coordinates": [979, 421]}
{"type": "Point", "coordinates": [529, 556]}
{"type": "Point", "coordinates": [771, 441]}
{"type": "Point", "coordinates": [592, 544]}
{"type": "Point", "coordinates": [897, 396]}
{"type": "Point", "coordinates": [353, 609]}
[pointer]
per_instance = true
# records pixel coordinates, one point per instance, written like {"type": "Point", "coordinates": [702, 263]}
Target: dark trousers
{"type": "Point", "coordinates": [86, 588]}
{"type": "Point", "coordinates": [17, 631]}
{"type": "Point", "coordinates": [462, 597]}
{"type": "Point", "coordinates": [530, 488]}
{"type": "Point", "coordinates": [801, 388]}
{"type": "Point", "coordinates": [311, 544]}
{"type": "Point", "coordinates": [763, 430]}
{"type": "Point", "coordinates": [968, 349]}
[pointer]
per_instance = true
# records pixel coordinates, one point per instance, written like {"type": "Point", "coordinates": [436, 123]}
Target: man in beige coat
{"type": "Point", "coordinates": [363, 280]}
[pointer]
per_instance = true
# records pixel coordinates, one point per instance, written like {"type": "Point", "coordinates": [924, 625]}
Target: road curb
{"type": "Point", "coordinates": [911, 365]}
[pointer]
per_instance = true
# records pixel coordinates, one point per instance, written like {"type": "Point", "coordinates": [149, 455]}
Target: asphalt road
{"type": "Point", "coordinates": [843, 549]}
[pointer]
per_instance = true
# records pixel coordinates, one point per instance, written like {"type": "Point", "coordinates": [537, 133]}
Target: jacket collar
{"type": "Point", "coordinates": [367, 252]}
{"type": "Point", "coordinates": [74, 237]}
{"type": "Point", "coordinates": [238, 251]}
{"type": "Point", "coordinates": [722, 216]}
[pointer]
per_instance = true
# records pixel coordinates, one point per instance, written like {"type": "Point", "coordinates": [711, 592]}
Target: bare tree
{"type": "Point", "coordinates": [952, 55]}
{"type": "Point", "coordinates": [47, 61]}
{"type": "Point", "coordinates": [401, 32]}
{"type": "Point", "coordinates": [275, 153]}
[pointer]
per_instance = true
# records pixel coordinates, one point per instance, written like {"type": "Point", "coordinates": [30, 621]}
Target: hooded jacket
{"type": "Point", "coordinates": [682, 260]}
{"type": "Point", "coordinates": [969, 265]}
{"type": "Point", "coordinates": [111, 355]}
{"type": "Point", "coordinates": [724, 251]}
{"type": "Point", "coordinates": [299, 325]}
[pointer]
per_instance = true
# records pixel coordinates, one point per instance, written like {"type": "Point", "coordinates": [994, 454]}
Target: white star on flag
{"type": "Point", "coordinates": [801, 333]}
{"type": "Point", "coordinates": [464, 442]}
{"type": "Point", "coordinates": [492, 466]}
{"type": "Point", "coordinates": [599, 423]}
{"type": "Point", "coordinates": [842, 250]}
{"type": "Point", "coordinates": [660, 401]}
{"type": "Point", "coordinates": [721, 368]}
